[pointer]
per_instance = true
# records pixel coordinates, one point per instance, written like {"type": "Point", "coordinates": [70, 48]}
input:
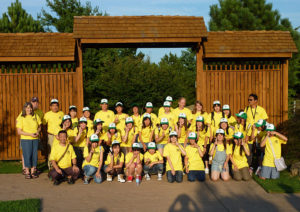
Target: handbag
{"type": "Point", "coordinates": [279, 162]}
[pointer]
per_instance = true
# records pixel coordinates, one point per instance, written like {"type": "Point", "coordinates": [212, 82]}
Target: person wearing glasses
{"type": "Point", "coordinates": [254, 111]}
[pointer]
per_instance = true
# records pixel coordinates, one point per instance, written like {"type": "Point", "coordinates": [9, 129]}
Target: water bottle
{"type": "Point", "coordinates": [137, 180]}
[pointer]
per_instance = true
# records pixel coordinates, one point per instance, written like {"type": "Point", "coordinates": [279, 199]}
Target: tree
{"type": "Point", "coordinates": [16, 19]}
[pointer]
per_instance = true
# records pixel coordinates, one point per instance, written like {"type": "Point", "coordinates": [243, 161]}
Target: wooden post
{"type": "Point", "coordinates": [285, 90]}
{"type": "Point", "coordinates": [79, 73]}
{"type": "Point", "coordinates": [200, 78]}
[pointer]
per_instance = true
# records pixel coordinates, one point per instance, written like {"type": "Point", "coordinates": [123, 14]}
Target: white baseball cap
{"type": "Point", "coordinates": [112, 126]}
{"type": "Point", "coordinates": [119, 104]}
{"type": "Point", "coordinates": [164, 121]}
{"type": "Point", "coordinates": [169, 99]}
{"type": "Point", "coordinates": [85, 109]}
{"type": "Point", "coordinates": [226, 107]}
{"type": "Point", "coordinates": [167, 104]}
{"type": "Point", "coordinates": [83, 119]}
{"type": "Point", "coordinates": [115, 142]}
{"type": "Point", "coordinates": [104, 101]}
{"type": "Point", "coordinates": [223, 120]}
{"type": "Point", "coordinates": [217, 102]}
{"type": "Point", "coordinates": [147, 115]}
{"type": "Point", "coordinates": [200, 119]}
{"type": "Point", "coordinates": [220, 131]}
{"type": "Point", "coordinates": [151, 145]}
{"type": "Point", "coordinates": [173, 133]}
{"type": "Point", "coordinates": [94, 138]}
{"type": "Point", "coordinates": [182, 115]}
{"type": "Point", "coordinates": [66, 117]}
{"type": "Point", "coordinates": [137, 145]}
{"type": "Point", "coordinates": [149, 105]}
{"type": "Point", "coordinates": [129, 120]}
{"type": "Point", "coordinates": [53, 101]}
{"type": "Point", "coordinates": [192, 135]}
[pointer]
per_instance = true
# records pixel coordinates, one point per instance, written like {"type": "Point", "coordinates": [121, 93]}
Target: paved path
{"type": "Point", "coordinates": [149, 196]}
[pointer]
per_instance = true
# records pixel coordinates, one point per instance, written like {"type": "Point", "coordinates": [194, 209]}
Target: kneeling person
{"type": "Point", "coordinates": [153, 162]}
{"type": "Point", "coordinates": [63, 160]}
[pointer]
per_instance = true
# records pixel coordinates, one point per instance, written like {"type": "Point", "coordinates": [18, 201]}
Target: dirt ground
{"type": "Point", "coordinates": [149, 196]}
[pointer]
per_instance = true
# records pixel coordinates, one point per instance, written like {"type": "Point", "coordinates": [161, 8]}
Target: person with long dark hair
{"type": "Point", "coordinates": [146, 131]}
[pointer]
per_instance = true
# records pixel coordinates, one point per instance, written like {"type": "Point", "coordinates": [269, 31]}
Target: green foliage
{"type": "Point", "coordinates": [16, 19]}
{"type": "Point", "coordinates": [26, 205]}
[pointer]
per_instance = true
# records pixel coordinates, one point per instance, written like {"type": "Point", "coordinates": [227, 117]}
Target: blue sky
{"type": "Point", "coordinates": [287, 8]}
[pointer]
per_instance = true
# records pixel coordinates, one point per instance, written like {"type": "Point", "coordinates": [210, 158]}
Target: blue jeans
{"type": "Point", "coordinates": [157, 168]}
{"type": "Point", "coordinates": [30, 152]}
{"type": "Point", "coordinates": [269, 172]}
{"type": "Point", "coordinates": [90, 171]}
{"type": "Point", "coordinates": [177, 177]}
{"type": "Point", "coordinates": [193, 175]}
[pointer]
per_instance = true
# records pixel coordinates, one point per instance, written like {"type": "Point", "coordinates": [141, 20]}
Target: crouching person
{"type": "Point", "coordinates": [133, 162]}
{"type": "Point", "coordinates": [63, 160]}
{"type": "Point", "coordinates": [153, 162]}
{"type": "Point", "coordinates": [93, 158]}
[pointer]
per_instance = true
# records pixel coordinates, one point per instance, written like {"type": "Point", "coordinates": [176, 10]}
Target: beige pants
{"type": "Point", "coordinates": [49, 147]}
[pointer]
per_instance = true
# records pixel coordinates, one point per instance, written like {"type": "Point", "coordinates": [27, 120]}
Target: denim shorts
{"type": "Point", "coordinates": [160, 146]}
{"type": "Point", "coordinates": [269, 172]}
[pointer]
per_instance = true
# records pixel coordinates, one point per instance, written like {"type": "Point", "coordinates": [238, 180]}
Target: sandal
{"type": "Point", "coordinates": [27, 176]}
{"type": "Point", "coordinates": [34, 175]}
{"type": "Point", "coordinates": [24, 171]}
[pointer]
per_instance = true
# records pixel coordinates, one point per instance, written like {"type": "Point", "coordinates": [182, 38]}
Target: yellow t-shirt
{"type": "Point", "coordinates": [205, 116]}
{"type": "Point", "coordinates": [215, 122]}
{"type": "Point", "coordinates": [130, 155]}
{"type": "Point", "coordinates": [186, 111]}
{"type": "Point", "coordinates": [153, 158]}
{"type": "Point", "coordinates": [195, 162]}
{"type": "Point", "coordinates": [269, 158]}
{"type": "Point", "coordinates": [101, 135]}
{"type": "Point", "coordinates": [228, 135]}
{"type": "Point", "coordinates": [240, 128]}
{"type": "Point", "coordinates": [82, 140]}
{"type": "Point", "coordinates": [71, 136]}
{"type": "Point", "coordinates": [202, 135]}
{"type": "Point", "coordinates": [136, 120]}
{"type": "Point", "coordinates": [121, 123]}
{"type": "Point", "coordinates": [130, 138]}
{"type": "Point", "coordinates": [29, 124]}
{"type": "Point", "coordinates": [183, 135]}
{"type": "Point", "coordinates": [254, 114]}
{"type": "Point", "coordinates": [154, 119]}
{"type": "Point", "coordinates": [58, 150]}
{"type": "Point", "coordinates": [107, 116]}
{"type": "Point", "coordinates": [117, 160]}
{"type": "Point", "coordinates": [116, 136]}
{"type": "Point", "coordinates": [159, 131]}
{"type": "Point", "coordinates": [146, 133]}
{"type": "Point", "coordinates": [173, 152]}
{"type": "Point", "coordinates": [38, 112]}
{"type": "Point", "coordinates": [162, 110]}
{"type": "Point", "coordinates": [170, 117]}
{"type": "Point", "coordinates": [220, 148]}
{"type": "Point", "coordinates": [74, 122]}
{"type": "Point", "coordinates": [53, 120]}
{"type": "Point", "coordinates": [259, 135]}
{"type": "Point", "coordinates": [95, 160]}
{"type": "Point", "coordinates": [231, 121]}
{"type": "Point", "coordinates": [90, 124]}
{"type": "Point", "coordinates": [240, 160]}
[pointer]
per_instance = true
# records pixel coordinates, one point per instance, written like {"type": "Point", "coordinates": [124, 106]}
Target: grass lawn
{"type": "Point", "coordinates": [285, 184]}
{"type": "Point", "coordinates": [10, 167]}
{"type": "Point", "coordinates": [27, 205]}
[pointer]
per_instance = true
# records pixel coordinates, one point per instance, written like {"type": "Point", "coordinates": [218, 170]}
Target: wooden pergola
{"type": "Point", "coordinates": [230, 65]}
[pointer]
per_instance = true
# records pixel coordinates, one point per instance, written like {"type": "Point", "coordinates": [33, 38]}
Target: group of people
{"type": "Point", "coordinates": [176, 141]}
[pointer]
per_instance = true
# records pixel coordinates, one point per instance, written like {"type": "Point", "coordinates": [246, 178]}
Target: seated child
{"type": "Point", "coordinates": [153, 162]}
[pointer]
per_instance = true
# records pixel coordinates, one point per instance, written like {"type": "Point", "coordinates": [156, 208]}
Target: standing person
{"type": "Point", "coordinates": [133, 163]}
{"type": "Point", "coordinates": [120, 116]}
{"type": "Point", "coordinates": [106, 115]}
{"type": "Point", "coordinates": [63, 160]}
{"type": "Point", "coordinates": [238, 157]}
{"type": "Point", "coordinates": [254, 111]}
{"type": "Point", "coordinates": [73, 114]}
{"type": "Point", "coordinates": [215, 116]}
{"type": "Point", "coordinates": [52, 120]}
{"type": "Point", "coordinates": [153, 162]}
{"type": "Point", "coordinates": [226, 113]}
{"type": "Point", "coordinates": [194, 165]}
{"type": "Point", "coordinates": [129, 135]}
{"type": "Point", "coordinates": [199, 111]}
{"type": "Point", "coordinates": [146, 131]}
{"type": "Point", "coordinates": [87, 114]}
{"type": "Point", "coordinates": [272, 142]}
{"type": "Point", "coordinates": [162, 134]}
{"type": "Point", "coordinates": [29, 127]}
{"type": "Point", "coordinates": [182, 129]}
{"type": "Point", "coordinates": [220, 152]}
{"type": "Point", "coordinates": [149, 109]}
{"type": "Point", "coordinates": [93, 159]}
{"type": "Point", "coordinates": [182, 109]}
{"type": "Point", "coordinates": [166, 113]}
{"type": "Point", "coordinates": [114, 163]}
{"type": "Point", "coordinates": [173, 152]}
{"type": "Point", "coordinates": [136, 115]}
{"type": "Point", "coordinates": [162, 109]}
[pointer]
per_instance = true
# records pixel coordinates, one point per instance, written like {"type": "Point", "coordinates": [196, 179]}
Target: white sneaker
{"type": "Point", "coordinates": [206, 171]}
{"type": "Point", "coordinates": [159, 176]}
{"type": "Point", "coordinates": [147, 176]}
{"type": "Point", "coordinates": [109, 178]}
{"type": "Point", "coordinates": [121, 178]}
{"type": "Point", "coordinates": [258, 170]}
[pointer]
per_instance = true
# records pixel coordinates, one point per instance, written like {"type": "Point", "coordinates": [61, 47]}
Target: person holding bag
{"type": "Point", "coordinates": [273, 163]}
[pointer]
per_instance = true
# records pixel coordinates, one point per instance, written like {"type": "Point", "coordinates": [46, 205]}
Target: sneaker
{"type": "Point", "coordinates": [159, 176]}
{"type": "Point", "coordinates": [258, 170]}
{"type": "Point", "coordinates": [206, 171]}
{"type": "Point", "coordinates": [121, 178]}
{"type": "Point", "coordinates": [147, 176]}
{"type": "Point", "coordinates": [86, 180]}
{"type": "Point", "coordinates": [129, 179]}
{"type": "Point", "coordinates": [109, 178]}
{"type": "Point", "coordinates": [70, 181]}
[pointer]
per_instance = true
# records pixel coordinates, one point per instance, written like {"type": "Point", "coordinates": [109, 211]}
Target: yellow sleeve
{"type": "Point", "coordinates": [159, 156]}
{"type": "Point", "coordinates": [45, 119]}
{"type": "Point", "coordinates": [20, 122]}
{"type": "Point", "coordinates": [166, 151]}
{"type": "Point", "coordinates": [128, 158]}
{"type": "Point", "coordinates": [264, 114]}
{"type": "Point", "coordinates": [53, 153]}
{"type": "Point", "coordinates": [146, 156]}
{"type": "Point", "coordinates": [282, 141]}
{"type": "Point", "coordinates": [141, 156]}
{"type": "Point", "coordinates": [73, 155]}
{"type": "Point", "coordinates": [156, 132]}
{"type": "Point", "coordinates": [122, 158]}
{"type": "Point", "coordinates": [229, 149]}
{"type": "Point", "coordinates": [38, 120]}
{"type": "Point", "coordinates": [85, 152]}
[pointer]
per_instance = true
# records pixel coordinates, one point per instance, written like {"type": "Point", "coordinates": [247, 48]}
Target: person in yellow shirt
{"type": "Point", "coordinates": [114, 163]}
{"type": "Point", "coordinates": [146, 131]}
{"type": "Point", "coordinates": [66, 125]}
{"type": "Point", "coordinates": [173, 152]}
{"type": "Point", "coordinates": [162, 134]}
{"type": "Point", "coordinates": [226, 113]}
{"type": "Point", "coordinates": [29, 128]}
{"type": "Point", "coordinates": [238, 157]}
{"type": "Point", "coordinates": [63, 160]}
{"type": "Point", "coordinates": [98, 130]}
{"type": "Point", "coordinates": [73, 114]}
{"type": "Point", "coordinates": [215, 116]}
{"type": "Point", "coordinates": [182, 109]}
{"type": "Point", "coordinates": [134, 162]}
{"type": "Point", "coordinates": [52, 120]}
{"type": "Point", "coordinates": [149, 109]}
{"type": "Point", "coordinates": [254, 111]}
{"type": "Point", "coordinates": [153, 162]}
{"type": "Point", "coordinates": [194, 166]}
{"type": "Point", "coordinates": [166, 113]}
{"type": "Point", "coordinates": [228, 131]}
{"type": "Point", "coordinates": [136, 115]}
{"type": "Point", "coordinates": [220, 151]}
{"type": "Point", "coordinates": [199, 111]}
{"type": "Point", "coordinates": [129, 135]}
{"type": "Point", "coordinates": [182, 128]}
{"type": "Point", "coordinates": [93, 159]}
{"type": "Point", "coordinates": [107, 116]}
{"type": "Point", "coordinates": [162, 109]}
{"type": "Point", "coordinates": [112, 134]}
{"type": "Point", "coordinates": [120, 116]}
{"type": "Point", "coordinates": [87, 114]}
{"type": "Point", "coordinates": [272, 142]}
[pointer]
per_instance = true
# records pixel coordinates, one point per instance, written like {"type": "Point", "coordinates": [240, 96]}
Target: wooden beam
{"type": "Point", "coordinates": [249, 55]}
{"type": "Point", "coordinates": [79, 73]}
{"type": "Point", "coordinates": [142, 40]}
{"type": "Point", "coordinates": [34, 59]}
{"type": "Point", "coordinates": [200, 78]}
{"type": "Point", "coordinates": [285, 90]}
